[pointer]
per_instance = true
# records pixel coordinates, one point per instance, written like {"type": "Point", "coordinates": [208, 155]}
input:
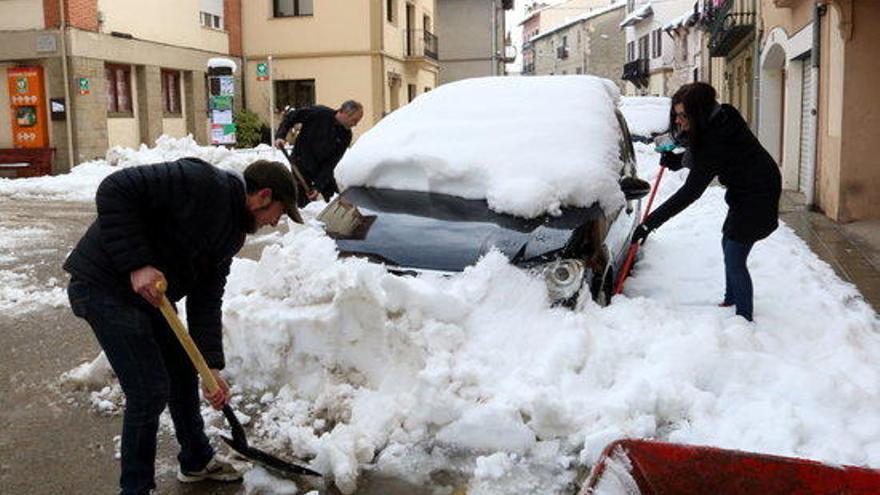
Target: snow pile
{"type": "Point", "coordinates": [476, 380]}
{"type": "Point", "coordinates": [529, 145]}
{"type": "Point", "coordinates": [646, 115]}
{"type": "Point", "coordinates": [83, 180]}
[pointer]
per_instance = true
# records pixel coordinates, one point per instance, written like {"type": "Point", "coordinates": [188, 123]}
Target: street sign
{"type": "Point", "coordinates": [262, 72]}
{"type": "Point", "coordinates": [83, 85]}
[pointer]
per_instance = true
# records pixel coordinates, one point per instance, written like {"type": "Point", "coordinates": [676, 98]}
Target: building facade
{"type": "Point", "coordinates": [819, 110]}
{"type": "Point", "coordinates": [473, 34]}
{"type": "Point", "coordinates": [590, 44]}
{"type": "Point", "coordinates": [106, 73]}
{"type": "Point", "coordinates": [542, 16]}
{"type": "Point", "coordinates": [382, 53]}
{"type": "Point", "coordinates": [650, 49]}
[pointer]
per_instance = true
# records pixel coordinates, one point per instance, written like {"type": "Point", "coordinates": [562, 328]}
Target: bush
{"type": "Point", "coordinates": [250, 130]}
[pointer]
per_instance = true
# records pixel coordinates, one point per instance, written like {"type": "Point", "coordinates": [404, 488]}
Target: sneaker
{"type": "Point", "coordinates": [217, 469]}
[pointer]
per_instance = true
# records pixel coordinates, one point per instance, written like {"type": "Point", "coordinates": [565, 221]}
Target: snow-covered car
{"type": "Point", "coordinates": [540, 168]}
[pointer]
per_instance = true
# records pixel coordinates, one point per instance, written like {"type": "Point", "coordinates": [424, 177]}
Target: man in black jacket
{"type": "Point", "coordinates": [323, 139]}
{"type": "Point", "coordinates": [179, 222]}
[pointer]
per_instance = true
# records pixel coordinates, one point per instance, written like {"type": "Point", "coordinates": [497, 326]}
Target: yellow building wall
{"type": "Point", "coordinates": [336, 26]}
{"type": "Point", "coordinates": [831, 116]}
{"type": "Point", "coordinates": [395, 32]}
{"type": "Point", "coordinates": [175, 22]}
{"type": "Point", "coordinates": [5, 111]}
{"type": "Point", "coordinates": [792, 19]}
{"type": "Point", "coordinates": [21, 14]}
{"type": "Point", "coordinates": [174, 127]}
{"type": "Point", "coordinates": [123, 132]}
{"type": "Point", "coordinates": [336, 79]}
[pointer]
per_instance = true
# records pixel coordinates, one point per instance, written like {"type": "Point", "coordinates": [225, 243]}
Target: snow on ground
{"type": "Point", "coordinates": [477, 376]}
{"type": "Point", "coordinates": [467, 139]}
{"type": "Point", "coordinates": [646, 115]}
{"type": "Point", "coordinates": [82, 182]}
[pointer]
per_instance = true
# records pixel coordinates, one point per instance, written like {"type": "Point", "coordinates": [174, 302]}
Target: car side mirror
{"type": "Point", "coordinates": [634, 188]}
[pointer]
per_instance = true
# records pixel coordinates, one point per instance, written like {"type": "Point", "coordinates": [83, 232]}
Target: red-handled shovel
{"type": "Point", "coordinates": [634, 247]}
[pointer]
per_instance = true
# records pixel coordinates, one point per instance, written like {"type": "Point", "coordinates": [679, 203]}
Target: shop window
{"type": "Point", "coordinates": [171, 92]}
{"type": "Point", "coordinates": [293, 8]}
{"type": "Point", "coordinates": [296, 93]}
{"type": "Point", "coordinates": [118, 90]}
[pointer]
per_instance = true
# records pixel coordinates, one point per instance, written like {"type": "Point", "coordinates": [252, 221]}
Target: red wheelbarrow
{"type": "Point", "coordinates": [643, 467]}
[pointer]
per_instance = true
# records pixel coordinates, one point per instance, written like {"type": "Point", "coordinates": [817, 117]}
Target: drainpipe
{"type": "Point", "coordinates": [271, 96]}
{"type": "Point", "coordinates": [819, 11]}
{"type": "Point", "coordinates": [65, 70]}
{"type": "Point", "coordinates": [494, 24]}
{"type": "Point", "coordinates": [756, 68]}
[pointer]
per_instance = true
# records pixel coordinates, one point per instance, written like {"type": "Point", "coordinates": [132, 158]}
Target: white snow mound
{"type": "Point", "coordinates": [529, 146]}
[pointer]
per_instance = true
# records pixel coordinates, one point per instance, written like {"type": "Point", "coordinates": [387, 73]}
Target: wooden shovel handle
{"type": "Point", "coordinates": [186, 341]}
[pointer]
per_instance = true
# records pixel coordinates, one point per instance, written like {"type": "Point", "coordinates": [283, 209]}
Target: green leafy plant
{"type": "Point", "coordinates": [250, 130]}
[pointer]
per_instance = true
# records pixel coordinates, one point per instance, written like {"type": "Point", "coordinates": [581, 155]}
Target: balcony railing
{"type": "Point", "coordinates": [421, 43]}
{"type": "Point", "coordinates": [728, 23]}
{"type": "Point", "coordinates": [562, 52]}
{"type": "Point", "coordinates": [636, 72]}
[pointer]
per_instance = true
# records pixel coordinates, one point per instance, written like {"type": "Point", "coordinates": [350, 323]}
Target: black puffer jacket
{"type": "Point", "coordinates": [319, 145]}
{"type": "Point", "coordinates": [187, 219]}
{"type": "Point", "coordinates": [731, 152]}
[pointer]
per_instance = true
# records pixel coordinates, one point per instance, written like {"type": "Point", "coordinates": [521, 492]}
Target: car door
{"type": "Point", "coordinates": [622, 223]}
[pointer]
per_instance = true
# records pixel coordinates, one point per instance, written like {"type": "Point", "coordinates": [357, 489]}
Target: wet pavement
{"type": "Point", "coordinates": [53, 442]}
{"type": "Point", "coordinates": [852, 250]}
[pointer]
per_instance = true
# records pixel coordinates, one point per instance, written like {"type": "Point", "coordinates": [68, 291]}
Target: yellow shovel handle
{"type": "Point", "coordinates": [186, 341]}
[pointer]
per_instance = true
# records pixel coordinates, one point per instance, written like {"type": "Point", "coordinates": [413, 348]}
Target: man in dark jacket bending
{"type": "Point", "coordinates": [179, 222]}
{"type": "Point", "coordinates": [323, 139]}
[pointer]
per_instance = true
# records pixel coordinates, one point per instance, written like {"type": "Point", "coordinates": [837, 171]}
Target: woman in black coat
{"type": "Point", "coordinates": [721, 145]}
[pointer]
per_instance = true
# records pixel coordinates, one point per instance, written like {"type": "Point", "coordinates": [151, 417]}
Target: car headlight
{"type": "Point", "coordinates": [563, 278]}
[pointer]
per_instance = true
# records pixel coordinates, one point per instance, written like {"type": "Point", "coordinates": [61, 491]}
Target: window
{"type": "Point", "coordinates": [630, 6]}
{"type": "Point", "coordinates": [579, 70]}
{"type": "Point", "coordinates": [211, 21]}
{"type": "Point", "coordinates": [118, 89]}
{"type": "Point", "coordinates": [293, 8]}
{"type": "Point", "coordinates": [391, 11]}
{"type": "Point", "coordinates": [427, 88]}
{"type": "Point", "coordinates": [656, 43]}
{"type": "Point", "coordinates": [411, 92]}
{"type": "Point", "coordinates": [630, 51]}
{"type": "Point", "coordinates": [643, 46]}
{"type": "Point", "coordinates": [171, 92]}
{"type": "Point", "coordinates": [296, 93]}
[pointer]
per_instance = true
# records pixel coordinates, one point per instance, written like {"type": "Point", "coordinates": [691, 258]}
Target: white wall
{"type": "Point", "coordinates": [21, 14]}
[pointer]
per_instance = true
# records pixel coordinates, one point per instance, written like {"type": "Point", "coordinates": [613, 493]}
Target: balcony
{"type": "Point", "coordinates": [728, 23]}
{"type": "Point", "coordinates": [562, 52]}
{"type": "Point", "coordinates": [636, 72]}
{"type": "Point", "coordinates": [421, 44]}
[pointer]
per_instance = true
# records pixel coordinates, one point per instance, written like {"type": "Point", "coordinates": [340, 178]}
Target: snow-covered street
{"type": "Point", "coordinates": [476, 380]}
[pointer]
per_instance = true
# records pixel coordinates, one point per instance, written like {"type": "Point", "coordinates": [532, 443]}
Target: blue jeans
{"type": "Point", "coordinates": [737, 281]}
{"type": "Point", "coordinates": [153, 370]}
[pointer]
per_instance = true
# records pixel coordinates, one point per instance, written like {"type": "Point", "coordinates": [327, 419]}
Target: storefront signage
{"type": "Point", "coordinates": [83, 85]}
{"type": "Point", "coordinates": [262, 72]}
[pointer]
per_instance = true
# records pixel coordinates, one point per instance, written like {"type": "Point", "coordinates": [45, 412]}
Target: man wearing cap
{"type": "Point", "coordinates": [179, 222]}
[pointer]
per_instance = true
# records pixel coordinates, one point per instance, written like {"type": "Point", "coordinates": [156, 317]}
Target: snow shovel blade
{"type": "Point", "coordinates": [239, 443]}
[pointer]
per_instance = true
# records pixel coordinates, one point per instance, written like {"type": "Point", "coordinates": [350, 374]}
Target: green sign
{"type": "Point", "coordinates": [83, 85]}
{"type": "Point", "coordinates": [220, 103]}
{"type": "Point", "coordinates": [262, 72]}
{"type": "Point", "coordinates": [21, 84]}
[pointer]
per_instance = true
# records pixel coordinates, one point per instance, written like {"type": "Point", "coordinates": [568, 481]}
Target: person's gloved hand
{"type": "Point", "coordinates": [640, 234]}
{"type": "Point", "coordinates": [671, 161]}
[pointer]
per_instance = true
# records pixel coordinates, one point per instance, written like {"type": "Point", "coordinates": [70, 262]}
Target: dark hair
{"type": "Point", "coordinates": [698, 100]}
{"type": "Point", "coordinates": [350, 107]}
